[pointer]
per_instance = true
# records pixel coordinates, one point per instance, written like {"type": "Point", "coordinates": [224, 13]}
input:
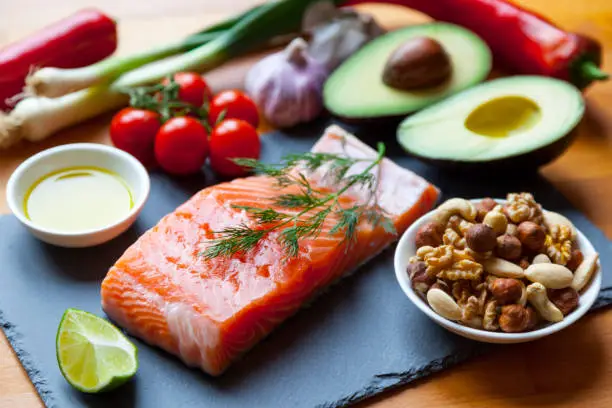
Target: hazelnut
{"type": "Point", "coordinates": [481, 238]}
{"type": "Point", "coordinates": [524, 262]}
{"type": "Point", "coordinates": [429, 234]}
{"type": "Point", "coordinates": [420, 62]}
{"type": "Point", "coordinates": [532, 318]}
{"type": "Point", "coordinates": [497, 221]}
{"type": "Point", "coordinates": [514, 318]}
{"type": "Point", "coordinates": [508, 247]}
{"type": "Point", "coordinates": [421, 281]}
{"type": "Point", "coordinates": [483, 207]}
{"type": "Point", "coordinates": [531, 235]}
{"type": "Point", "coordinates": [575, 260]}
{"type": "Point", "coordinates": [565, 299]}
{"type": "Point", "coordinates": [506, 290]}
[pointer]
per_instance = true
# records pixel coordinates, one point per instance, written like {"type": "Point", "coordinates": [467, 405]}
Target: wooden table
{"type": "Point", "coordinates": [564, 370]}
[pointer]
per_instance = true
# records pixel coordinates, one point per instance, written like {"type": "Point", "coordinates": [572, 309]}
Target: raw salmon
{"type": "Point", "coordinates": [210, 311]}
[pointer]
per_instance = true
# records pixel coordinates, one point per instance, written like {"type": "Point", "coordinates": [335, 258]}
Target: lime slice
{"type": "Point", "coordinates": [93, 355]}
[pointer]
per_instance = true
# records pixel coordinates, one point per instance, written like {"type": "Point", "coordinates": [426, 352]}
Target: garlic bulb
{"type": "Point", "coordinates": [337, 33]}
{"type": "Point", "coordinates": [287, 86]}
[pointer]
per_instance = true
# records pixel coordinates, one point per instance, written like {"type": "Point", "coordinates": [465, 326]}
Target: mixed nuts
{"type": "Point", "coordinates": [495, 266]}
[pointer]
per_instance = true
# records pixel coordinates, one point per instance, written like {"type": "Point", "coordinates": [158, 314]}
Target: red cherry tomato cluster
{"type": "Point", "coordinates": [178, 124]}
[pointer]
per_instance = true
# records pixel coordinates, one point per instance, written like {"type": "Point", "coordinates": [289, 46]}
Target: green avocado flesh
{"type": "Point", "coordinates": [501, 119]}
{"type": "Point", "coordinates": [356, 91]}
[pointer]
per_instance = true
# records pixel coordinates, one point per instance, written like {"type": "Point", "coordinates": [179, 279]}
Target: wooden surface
{"type": "Point", "coordinates": [566, 370]}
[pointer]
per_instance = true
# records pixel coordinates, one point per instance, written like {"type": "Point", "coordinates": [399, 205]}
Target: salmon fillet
{"type": "Point", "coordinates": [208, 312]}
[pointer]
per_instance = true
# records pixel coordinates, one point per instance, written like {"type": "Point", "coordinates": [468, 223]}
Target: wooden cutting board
{"type": "Point", "coordinates": [560, 371]}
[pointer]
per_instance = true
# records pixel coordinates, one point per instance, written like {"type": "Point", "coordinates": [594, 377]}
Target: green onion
{"type": "Point", "coordinates": [54, 82]}
{"type": "Point", "coordinates": [37, 117]}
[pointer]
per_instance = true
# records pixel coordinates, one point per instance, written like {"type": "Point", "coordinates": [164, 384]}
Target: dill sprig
{"type": "Point", "coordinates": [292, 225]}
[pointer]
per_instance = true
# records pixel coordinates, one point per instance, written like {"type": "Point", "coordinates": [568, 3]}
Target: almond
{"type": "Point", "coordinates": [552, 276]}
{"type": "Point", "coordinates": [443, 304]}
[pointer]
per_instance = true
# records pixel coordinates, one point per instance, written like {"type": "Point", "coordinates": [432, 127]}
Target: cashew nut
{"type": "Point", "coordinates": [585, 271]}
{"type": "Point", "coordinates": [536, 294]}
{"type": "Point", "coordinates": [443, 304]}
{"type": "Point", "coordinates": [455, 206]}
{"type": "Point", "coordinates": [502, 268]}
{"type": "Point", "coordinates": [553, 218]}
{"type": "Point", "coordinates": [541, 258]}
{"type": "Point", "coordinates": [497, 221]}
{"type": "Point", "coordinates": [551, 275]}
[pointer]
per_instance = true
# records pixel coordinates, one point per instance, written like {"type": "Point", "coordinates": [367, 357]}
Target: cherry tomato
{"type": "Point", "coordinates": [134, 130]}
{"type": "Point", "coordinates": [230, 139]}
{"type": "Point", "coordinates": [193, 88]}
{"type": "Point", "coordinates": [181, 146]}
{"type": "Point", "coordinates": [236, 106]}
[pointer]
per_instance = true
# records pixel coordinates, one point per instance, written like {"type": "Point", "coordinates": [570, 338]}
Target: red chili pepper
{"type": "Point", "coordinates": [521, 41]}
{"type": "Point", "coordinates": [76, 41]}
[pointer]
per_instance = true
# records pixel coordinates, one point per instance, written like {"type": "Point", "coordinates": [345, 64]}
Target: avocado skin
{"type": "Point", "coordinates": [522, 163]}
{"type": "Point", "coordinates": [387, 121]}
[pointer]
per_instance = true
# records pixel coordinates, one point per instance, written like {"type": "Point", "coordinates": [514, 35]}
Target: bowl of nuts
{"type": "Point", "coordinates": [498, 271]}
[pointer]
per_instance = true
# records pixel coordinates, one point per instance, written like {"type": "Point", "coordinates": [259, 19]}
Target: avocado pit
{"type": "Point", "coordinates": [420, 62]}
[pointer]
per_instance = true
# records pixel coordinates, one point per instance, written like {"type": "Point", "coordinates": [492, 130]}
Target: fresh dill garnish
{"type": "Point", "coordinates": [308, 208]}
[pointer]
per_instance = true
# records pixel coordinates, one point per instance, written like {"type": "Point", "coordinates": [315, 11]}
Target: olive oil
{"type": "Point", "coordinates": [78, 199]}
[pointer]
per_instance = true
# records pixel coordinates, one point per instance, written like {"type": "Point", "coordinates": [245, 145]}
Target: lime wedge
{"type": "Point", "coordinates": [93, 355]}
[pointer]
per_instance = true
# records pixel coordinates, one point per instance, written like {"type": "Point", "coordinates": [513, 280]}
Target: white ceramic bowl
{"type": "Point", "coordinates": [78, 155]}
{"type": "Point", "coordinates": [406, 249]}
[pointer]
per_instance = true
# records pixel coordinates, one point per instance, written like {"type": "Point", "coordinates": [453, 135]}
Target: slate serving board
{"type": "Point", "coordinates": [360, 338]}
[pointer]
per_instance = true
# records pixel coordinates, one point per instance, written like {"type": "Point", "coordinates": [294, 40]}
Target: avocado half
{"type": "Point", "coordinates": [355, 91]}
{"type": "Point", "coordinates": [515, 123]}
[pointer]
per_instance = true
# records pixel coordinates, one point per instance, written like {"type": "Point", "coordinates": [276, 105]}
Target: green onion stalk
{"type": "Point", "coordinates": [54, 82]}
{"type": "Point", "coordinates": [37, 117]}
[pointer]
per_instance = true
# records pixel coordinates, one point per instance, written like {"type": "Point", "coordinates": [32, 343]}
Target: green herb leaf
{"type": "Point", "coordinates": [307, 209]}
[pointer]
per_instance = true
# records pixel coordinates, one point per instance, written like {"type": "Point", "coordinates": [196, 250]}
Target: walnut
{"type": "Point", "coordinates": [506, 290]}
{"type": "Point", "coordinates": [514, 318]}
{"type": "Point", "coordinates": [481, 238]}
{"type": "Point", "coordinates": [429, 234]}
{"type": "Point", "coordinates": [448, 263]}
{"type": "Point", "coordinates": [575, 260]}
{"type": "Point", "coordinates": [559, 244]}
{"type": "Point", "coordinates": [461, 291]}
{"type": "Point", "coordinates": [463, 269]}
{"type": "Point", "coordinates": [483, 207]}
{"type": "Point", "coordinates": [421, 280]}
{"type": "Point", "coordinates": [565, 299]}
{"type": "Point", "coordinates": [531, 235]}
{"type": "Point", "coordinates": [489, 321]}
{"type": "Point", "coordinates": [436, 259]}
{"type": "Point", "coordinates": [508, 247]}
{"type": "Point", "coordinates": [478, 256]}
{"type": "Point", "coordinates": [482, 297]}
{"type": "Point", "coordinates": [451, 237]}
{"type": "Point", "coordinates": [470, 309]}
{"type": "Point", "coordinates": [523, 207]}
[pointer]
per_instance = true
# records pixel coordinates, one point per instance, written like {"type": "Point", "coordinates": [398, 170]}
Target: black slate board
{"type": "Point", "coordinates": [359, 339]}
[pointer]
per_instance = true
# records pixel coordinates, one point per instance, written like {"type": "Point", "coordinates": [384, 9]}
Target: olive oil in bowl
{"type": "Point", "coordinates": [78, 199]}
